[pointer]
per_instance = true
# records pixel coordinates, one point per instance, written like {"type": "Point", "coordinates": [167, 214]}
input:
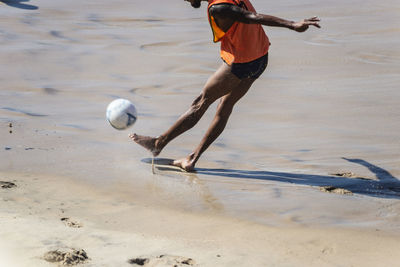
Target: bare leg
{"type": "Point", "coordinates": [224, 110]}
{"type": "Point", "coordinates": [219, 84]}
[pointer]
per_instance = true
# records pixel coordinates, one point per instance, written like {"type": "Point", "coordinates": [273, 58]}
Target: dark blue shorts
{"type": "Point", "coordinates": [252, 69]}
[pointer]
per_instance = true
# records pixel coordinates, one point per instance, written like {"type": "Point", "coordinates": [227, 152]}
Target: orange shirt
{"type": "Point", "coordinates": [242, 42]}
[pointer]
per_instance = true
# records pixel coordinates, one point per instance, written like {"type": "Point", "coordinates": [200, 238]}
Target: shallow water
{"type": "Point", "coordinates": [328, 103]}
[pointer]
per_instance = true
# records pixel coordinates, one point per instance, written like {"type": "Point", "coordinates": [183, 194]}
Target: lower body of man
{"type": "Point", "coordinates": [229, 84]}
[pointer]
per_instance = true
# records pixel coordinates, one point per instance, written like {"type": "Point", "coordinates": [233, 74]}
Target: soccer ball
{"type": "Point", "coordinates": [121, 114]}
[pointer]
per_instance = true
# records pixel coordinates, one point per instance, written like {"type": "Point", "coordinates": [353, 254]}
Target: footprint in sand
{"type": "Point", "coordinates": [163, 260]}
{"type": "Point", "coordinates": [7, 185]}
{"type": "Point", "coordinates": [345, 174]}
{"type": "Point", "coordinates": [72, 257]}
{"type": "Point", "coordinates": [349, 175]}
{"type": "Point", "coordinates": [68, 222]}
{"type": "Point", "coordinates": [336, 190]}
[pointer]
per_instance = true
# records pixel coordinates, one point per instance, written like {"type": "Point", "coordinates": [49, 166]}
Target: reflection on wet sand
{"type": "Point", "coordinates": [164, 168]}
{"type": "Point", "coordinates": [20, 111]}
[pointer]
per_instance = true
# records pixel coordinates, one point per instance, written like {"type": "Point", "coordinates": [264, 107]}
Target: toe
{"type": "Point", "coordinates": [176, 163]}
{"type": "Point", "coordinates": [133, 136]}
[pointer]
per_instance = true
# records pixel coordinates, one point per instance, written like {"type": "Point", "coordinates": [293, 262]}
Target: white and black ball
{"type": "Point", "coordinates": [121, 114]}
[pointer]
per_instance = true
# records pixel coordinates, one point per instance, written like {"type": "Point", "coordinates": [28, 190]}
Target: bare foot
{"type": "Point", "coordinates": [186, 164]}
{"type": "Point", "coordinates": [147, 142]}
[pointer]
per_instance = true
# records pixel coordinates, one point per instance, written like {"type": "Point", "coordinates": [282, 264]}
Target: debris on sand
{"type": "Point", "coordinates": [7, 185]}
{"type": "Point", "coordinates": [73, 257]}
{"type": "Point", "coordinates": [68, 222]}
{"type": "Point", "coordinates": [349, 175]}
{"type": "Point", "coordinates": [163, 260]}
{"type": "Point", "coordinates": [336, 190]}
{"type": "Point", "coordinates": [139, 261]}
{"type": "Point", "coordinates": [345, 174]}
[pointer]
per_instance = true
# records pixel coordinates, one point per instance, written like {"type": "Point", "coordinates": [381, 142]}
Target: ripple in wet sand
{"type": "Point", "coordinates": [50, 91]}
{"type": "Point", "coordinates": [158, 44]}
{"type": "Point", "coordinates": [24, 112]}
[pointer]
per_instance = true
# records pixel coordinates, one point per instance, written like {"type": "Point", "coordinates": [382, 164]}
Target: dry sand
{"type": "Point", "coordinates": [306, 173]}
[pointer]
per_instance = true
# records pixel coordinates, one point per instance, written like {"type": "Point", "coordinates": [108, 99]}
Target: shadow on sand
{"type": "Point", "coordinates": [384, 186]}
{"type": "Point", "coordinates": [19, 4]}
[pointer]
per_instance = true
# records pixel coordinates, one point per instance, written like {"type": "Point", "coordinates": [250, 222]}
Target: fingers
{"type": "Point", "coordinates": [316, 24]}
{"type": "Point", "coordinates": [315, 18]}
{"type": "Point", "coordinates": [314, 21]}
{"type": "Point", "coordinates": [303, 25]}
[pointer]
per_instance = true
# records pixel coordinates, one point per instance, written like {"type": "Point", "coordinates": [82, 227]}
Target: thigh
{"type": "Point", "coordinates": [237, 93]}
{"type": "Point", "coordinates": [221, 83]}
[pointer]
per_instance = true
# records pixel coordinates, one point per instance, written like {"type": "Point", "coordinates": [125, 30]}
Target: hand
{"type": "Point", "coordinates": [303, 25]}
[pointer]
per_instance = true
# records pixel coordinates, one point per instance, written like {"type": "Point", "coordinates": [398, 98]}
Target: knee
{"type": "Point", "coordinates": [202, 102]}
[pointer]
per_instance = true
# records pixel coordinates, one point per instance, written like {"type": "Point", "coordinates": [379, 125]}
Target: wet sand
{"type": "Point", "coordinates": [117, 231]}
{"type": "Point", "coordinates": [306, 172]}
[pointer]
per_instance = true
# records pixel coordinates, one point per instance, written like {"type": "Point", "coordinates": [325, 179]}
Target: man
{"type": "Point", "coordinates": [244, 51]}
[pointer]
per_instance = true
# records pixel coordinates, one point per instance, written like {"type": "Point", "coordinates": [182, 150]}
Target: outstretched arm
{"type": "Point", "coordinates": [227, 14]}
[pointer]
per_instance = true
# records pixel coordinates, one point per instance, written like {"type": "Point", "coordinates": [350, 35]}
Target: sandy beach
{"type": "Point", "coordinates": [305, 174]}
{"type": "Point", "coordinates": [47, 213]}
